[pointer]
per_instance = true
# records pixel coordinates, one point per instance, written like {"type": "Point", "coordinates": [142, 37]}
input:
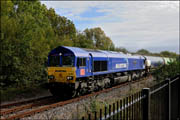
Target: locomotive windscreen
{"type": "Point", "coordinates": [67, 61]}
{"type": "Point", "coordinates": [61, 61]}
{"type": "Point", "coordinates": [54, 60]}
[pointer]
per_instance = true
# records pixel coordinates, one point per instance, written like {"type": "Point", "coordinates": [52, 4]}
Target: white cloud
{"type": "Point", "coordinates": [133, 25]}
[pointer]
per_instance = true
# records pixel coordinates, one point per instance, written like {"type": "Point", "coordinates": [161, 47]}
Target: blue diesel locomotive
{"type": "Point", "coordinates": [75, 71]}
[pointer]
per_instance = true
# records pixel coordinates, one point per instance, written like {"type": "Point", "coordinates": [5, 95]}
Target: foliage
{"type": "Point", "coordinates": [83, 42]}
{"type": "Point", "coordinates": [28, 32]}
{"type": "Point", "coordinates": [99, 39]}
{"type": "Point", "coordinates": [168, 54]}
{"type": "Point", "coordinates": [168, 71]}
{"type": "Point", "coordinates": [143, 52]}
{"type": "Point", "coordinates": [121, 49]}
{"type": "Point", "coordinates": [162, 53]}
{"type": "Point", "coordinates": [25, 45]}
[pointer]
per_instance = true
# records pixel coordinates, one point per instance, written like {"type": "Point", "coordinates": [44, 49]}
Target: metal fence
{"type": "Point", "coordinates": [160, 102]}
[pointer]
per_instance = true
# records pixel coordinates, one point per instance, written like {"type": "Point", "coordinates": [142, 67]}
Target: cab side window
{"type": "Point", "coordinates": [81, 62]}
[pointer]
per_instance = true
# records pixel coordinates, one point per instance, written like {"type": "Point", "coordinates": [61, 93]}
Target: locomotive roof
{"type": "Point", "coordinates": [77, 51]}
{"type": "Point", "coordinates": [95, 53]}
{"type": "Point", "coordinates": [83, 52]}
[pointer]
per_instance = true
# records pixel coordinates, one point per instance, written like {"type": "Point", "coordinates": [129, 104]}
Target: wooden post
{"type": "Point", "coordinates": [146, 104]}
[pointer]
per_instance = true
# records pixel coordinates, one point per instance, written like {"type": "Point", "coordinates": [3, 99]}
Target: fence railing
{"type": "Point", "coordinates": [160, 102]}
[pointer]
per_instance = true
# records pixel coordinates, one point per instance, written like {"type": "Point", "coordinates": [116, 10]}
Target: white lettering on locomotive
{"type": "Point", "coordinates": [122, 65]}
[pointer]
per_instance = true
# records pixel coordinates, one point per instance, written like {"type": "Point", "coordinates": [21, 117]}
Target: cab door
{"type": "Point", "coordinates": [90, 64]}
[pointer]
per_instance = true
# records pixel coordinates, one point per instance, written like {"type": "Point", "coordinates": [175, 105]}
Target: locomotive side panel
{"type": "Point", "coordinates": [136, 64]}
{"type": "Point", "coordinates": [119, 64]}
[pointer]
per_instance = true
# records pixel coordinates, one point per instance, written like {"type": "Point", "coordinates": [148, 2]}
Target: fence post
{"type": "Point", "coordinates": [120, 112]}
{"type": "Point", "coordinates": [113, 111]}
{"type": "Point", "coordinates": [124, 111]}
{"type": "Point", "coordinates": [169, 99]}
{"type": "Point", "coordinates": [109, 111]}
{"type": "Point", "coordinates": [95, 115]}
{"type": "Point", "coordinates": [179, 96]}
{"type": "Point", "coordinates": [133, 107]}
{"type": "Point", "coordinates": [146, 104]}
{"type": "Point", "coordinates": [89, 117]}
{"type": "Point", "coordinates": [105, 112]}
{"type": "Point", "coordinates": [117, 108]}
{"type": "Point", "coordinates": [100, 114]}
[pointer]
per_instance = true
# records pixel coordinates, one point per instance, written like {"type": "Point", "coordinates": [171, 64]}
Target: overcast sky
{"type": "Point", "coordinates": [133, 25]}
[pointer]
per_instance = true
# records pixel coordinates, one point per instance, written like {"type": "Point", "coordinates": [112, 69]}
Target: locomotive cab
{"type": "Point", "coordinates": [61, 72]}
{"type": "Point", "coordinates": [61, 68]}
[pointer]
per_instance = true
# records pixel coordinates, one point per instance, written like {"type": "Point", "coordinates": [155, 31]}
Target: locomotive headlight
{"type": "Point", "coordinates": [50, 76]}
{"type": "Point", "coordinates": [69, 77]}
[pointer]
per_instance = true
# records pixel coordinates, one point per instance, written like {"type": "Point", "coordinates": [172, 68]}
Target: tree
{"type": "Point", "coordinates": [168, 54]}
{"type": "Point", "coordinates": [168, 71]}
{"type": "Point", "coordinates": [29, 31]}
{"type": "Point", "coordinates": [83, 42]}
{"type": "Point", "coordinates": [100, 40]}
{"type": "Point", "coordinates": [143, 52]}
{"type": "Point", "coordinates": [64, 29]}
{"type": "Point", "coordinates": [24, 48]}
{"type": "Point", "coordinates": [120, 49]}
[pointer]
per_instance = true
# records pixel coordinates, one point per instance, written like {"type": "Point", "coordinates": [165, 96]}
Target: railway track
{"type": "Point", "coordinates": [19, 110]}
{"type": "Point", "coordinates": [10, 108]}
{"type": "Point", "coordinates": [2, 106]}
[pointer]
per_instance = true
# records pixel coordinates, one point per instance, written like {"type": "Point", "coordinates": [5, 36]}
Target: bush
{"type": "Point", "coordinates": [167, 71]}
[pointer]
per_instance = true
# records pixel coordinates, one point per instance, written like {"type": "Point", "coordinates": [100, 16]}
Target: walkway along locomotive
{"type": "Point", "coordinates": [75, 71]}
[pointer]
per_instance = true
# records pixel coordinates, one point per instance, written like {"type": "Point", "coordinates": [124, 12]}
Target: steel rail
{"type": "Point", "coordinates": [23, 102]}
{"type": "Point", "coordinates": [23, 107]}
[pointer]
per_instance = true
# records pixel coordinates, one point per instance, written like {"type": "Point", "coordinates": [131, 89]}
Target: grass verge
{"type": "Point", "coordinates": [14, 94]}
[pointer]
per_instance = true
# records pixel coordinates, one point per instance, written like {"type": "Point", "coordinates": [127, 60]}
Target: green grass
{"type": "Point", "coordinates": [13, 93]}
